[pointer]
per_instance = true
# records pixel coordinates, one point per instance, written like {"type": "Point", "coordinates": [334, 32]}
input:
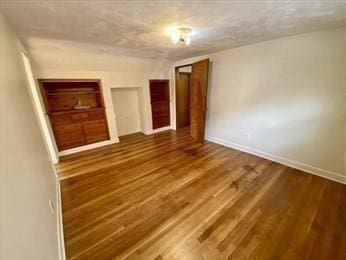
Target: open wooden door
{"type": "Point", "coordinates": [198, 98]}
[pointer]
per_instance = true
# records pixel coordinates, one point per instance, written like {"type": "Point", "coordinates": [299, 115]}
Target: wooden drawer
{"type": "Point", "coordinates": [63, 129]}
{"type": "Point", "coordinates": [60, 119]}
{"type": "Point", "coordinates": [79, 117]}
{"type": "Point", "coordinates": [95, 115]}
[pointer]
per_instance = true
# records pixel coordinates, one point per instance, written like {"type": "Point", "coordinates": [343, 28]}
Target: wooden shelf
{"type": "Point", "coordinates": [76, 111]}
{"type": "Point", "coordinates": [72, 93]}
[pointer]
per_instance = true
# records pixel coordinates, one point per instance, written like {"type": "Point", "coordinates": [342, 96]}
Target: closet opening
{"type": "Point", "coordinates": [182, 91]}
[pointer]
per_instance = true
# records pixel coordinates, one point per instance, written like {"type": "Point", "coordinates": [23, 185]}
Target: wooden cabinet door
{"type": "Point", "coordinates": [160, 101]}
{"type": "Point", "coordinates": [69, 136]}
{"type": "Point", "coordinates": [198, 98]}
{"type": "Point", "coordinates": [73, 129]}
{"type": "Point", "coordinates": [95, 131]}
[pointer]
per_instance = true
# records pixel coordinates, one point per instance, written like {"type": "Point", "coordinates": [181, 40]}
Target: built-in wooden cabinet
{"type": "Point", "coordinates": [160, 102]}
{"type": "Point", "coordinates": [76, 111]}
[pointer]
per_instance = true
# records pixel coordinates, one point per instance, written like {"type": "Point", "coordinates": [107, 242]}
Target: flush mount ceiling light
{"type": "Point", "coordinates": [181, 35]}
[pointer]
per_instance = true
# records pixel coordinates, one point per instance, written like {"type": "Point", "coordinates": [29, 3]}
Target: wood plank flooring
{"type": "Point", "coordinates": [165, 196]}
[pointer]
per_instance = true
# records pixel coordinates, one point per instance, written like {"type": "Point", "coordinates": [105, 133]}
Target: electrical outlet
{"type": "Point", "coordinates": [52, 207]}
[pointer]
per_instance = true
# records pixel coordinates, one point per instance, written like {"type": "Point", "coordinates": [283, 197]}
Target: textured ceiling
{"type": "Point", "coordinates": [137, 27]}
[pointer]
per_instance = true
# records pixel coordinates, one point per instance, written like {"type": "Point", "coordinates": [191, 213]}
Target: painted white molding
{"type": "Point", "coordinates": [60, 227]}
{"type": "Point", "coordinates": [88, 147]}
{"type": "Point", "coordinates": [337, 177]}
{"type": "Point", "coordinates": [158, 130]}
{"type": "Point", "coordinates": [36, 99]}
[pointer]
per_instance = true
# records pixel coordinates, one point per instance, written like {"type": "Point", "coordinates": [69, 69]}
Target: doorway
{"type": "Point", "coordinates": [191, 85]}
{"type": "Point", "coordinates": [182, 91]}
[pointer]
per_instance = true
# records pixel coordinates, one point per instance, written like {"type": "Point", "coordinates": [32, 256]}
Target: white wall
{"type": "Point", "coordinates": [282, 99]}
{"type": "Point", "coordinates": [126, 110]}
{"type": "Point", "coordinates": [28, 228]}
{"type": "Point", "coordinates": [114, 72]}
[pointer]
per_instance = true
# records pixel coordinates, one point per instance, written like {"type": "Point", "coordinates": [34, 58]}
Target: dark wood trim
{"type": "Point", "coordinates": [159, 80]}
{"type": "Point", "coordinates": [67, 80]}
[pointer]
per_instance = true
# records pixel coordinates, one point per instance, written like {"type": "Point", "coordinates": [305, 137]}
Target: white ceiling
{"type": "Point", "coordinates": [137, 27]}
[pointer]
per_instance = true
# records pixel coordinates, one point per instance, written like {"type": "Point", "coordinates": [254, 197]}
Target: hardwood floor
{"type": "Point", "coordinates": [167, 197]}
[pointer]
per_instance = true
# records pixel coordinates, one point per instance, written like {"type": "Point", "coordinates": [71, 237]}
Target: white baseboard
{"type": "Point", "coordinates": [60, 227]}
{"type": "Point", "coordinates": [294, 164]}
{"type": "Point", "coordinates": [158, 130]}
{"type": "Point", "coordinates": [88, 147]}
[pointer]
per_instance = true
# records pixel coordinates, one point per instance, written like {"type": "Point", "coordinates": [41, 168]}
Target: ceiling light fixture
{"type": "Point", "coordinates": [181, 35]}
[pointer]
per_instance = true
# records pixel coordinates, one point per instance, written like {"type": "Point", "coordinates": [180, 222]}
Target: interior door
{"type": "Point", "coordinates": [160, 101]}
{"type": "Point", "coordinates": [198, 98]}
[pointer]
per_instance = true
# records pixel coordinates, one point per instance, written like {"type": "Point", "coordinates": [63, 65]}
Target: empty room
{"type": "Point", "coordinates": [172, 129]}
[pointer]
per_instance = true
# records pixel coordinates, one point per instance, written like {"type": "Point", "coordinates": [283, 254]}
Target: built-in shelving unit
{"type": "Point", "coordinates": [76, 111]}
